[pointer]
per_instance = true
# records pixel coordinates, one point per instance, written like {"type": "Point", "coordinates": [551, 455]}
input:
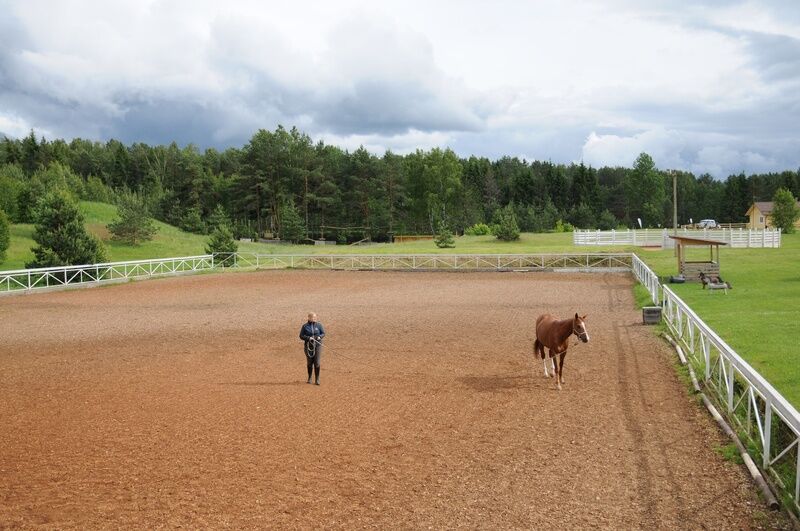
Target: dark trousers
{"type": "Point", "coordinates": [313, 354]}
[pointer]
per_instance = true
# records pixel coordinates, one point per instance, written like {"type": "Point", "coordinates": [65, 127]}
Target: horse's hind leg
{"type": "Point", "coordinates": [538, 348]}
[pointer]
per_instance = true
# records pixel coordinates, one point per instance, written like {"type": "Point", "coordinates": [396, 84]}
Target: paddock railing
{"type": "Point", "coordinates": [76, 275]}
{"type": "Point", "coordinates": [739, 238]}
{"type": "Point", "coordinates": [646, 277]}
{"type": "Point", "coordinates": [446, 262]}
{"type": "Point", "coordinates": [93, 274]}
{"type": "Point", "coordinates": [756, 409]}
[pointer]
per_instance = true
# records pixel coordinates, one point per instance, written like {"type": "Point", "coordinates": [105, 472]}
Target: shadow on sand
{"type": "Point", "coordinates": [496, 383]}
{"type": "Point", "coordinates": [257, 384]}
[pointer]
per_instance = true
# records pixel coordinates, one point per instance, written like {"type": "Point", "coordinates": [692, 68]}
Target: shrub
{"type": "Point", "coordinates": [61, 235]}
{"type": "Point", "coordinates": [562, 226]}
{"type": "Point", "coordinates": [506, 227]}
{"type": "Point", "coordinates": [444, 236]}
{"type": "Point", "coordinates": [221, 241]}
{"type": "Point", "coordinates": [479, 229]}
{"type": "Point", "coordinates": [134, 224]}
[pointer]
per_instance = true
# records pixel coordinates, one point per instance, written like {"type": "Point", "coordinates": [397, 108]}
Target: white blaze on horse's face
{"type": "Point", "coordinates": [579, 328]}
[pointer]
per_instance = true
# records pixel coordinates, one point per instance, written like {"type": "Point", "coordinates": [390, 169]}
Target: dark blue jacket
{"type": "Point", "coordinates": [309, 330]}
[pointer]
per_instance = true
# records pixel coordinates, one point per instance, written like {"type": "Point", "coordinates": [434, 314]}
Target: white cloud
{"type": "Point", "coordinates": [614, 150]}
{"type": "Point", "coordinates": [16, 126]}
{"type": "Point", "coordinates": [400, 144]}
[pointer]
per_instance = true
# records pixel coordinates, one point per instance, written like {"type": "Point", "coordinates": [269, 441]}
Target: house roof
{"type": "Point", "coordinates": [765, 207]}
{"type": "Point", "coordinates": [686, 240]}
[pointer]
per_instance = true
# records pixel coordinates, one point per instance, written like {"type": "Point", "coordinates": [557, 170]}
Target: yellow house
{"type": "Point", "coordinates": [760, 214]}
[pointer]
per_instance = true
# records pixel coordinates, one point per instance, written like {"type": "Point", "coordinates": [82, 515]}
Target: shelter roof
{"type": "Point", "coordinates": [686, 240]}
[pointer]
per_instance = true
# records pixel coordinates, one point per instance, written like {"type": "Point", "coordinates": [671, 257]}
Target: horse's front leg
{"type": "Point", "coordinates": [561, 367]}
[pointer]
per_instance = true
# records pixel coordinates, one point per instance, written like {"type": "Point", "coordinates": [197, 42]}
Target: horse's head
{"type": "Point", "coordinates": [579, 328]}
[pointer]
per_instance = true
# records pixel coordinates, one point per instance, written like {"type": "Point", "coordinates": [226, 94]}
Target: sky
{"type": "Point", "coordinates": [708, 86]}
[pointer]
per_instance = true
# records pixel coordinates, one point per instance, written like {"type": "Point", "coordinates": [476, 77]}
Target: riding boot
{"type": "Point", "coordinates": [316, 373]}
{"type": "Point", "coordinates": [309, 374]}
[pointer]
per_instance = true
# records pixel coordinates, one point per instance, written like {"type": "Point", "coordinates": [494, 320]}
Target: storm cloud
{"type": "Point", "coordinates": [710, 87]}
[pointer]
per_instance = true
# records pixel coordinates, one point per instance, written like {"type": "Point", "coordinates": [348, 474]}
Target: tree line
{"type": "Point", "coordinates": [283, 184]}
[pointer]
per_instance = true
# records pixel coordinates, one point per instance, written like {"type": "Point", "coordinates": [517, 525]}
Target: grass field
{"type": "Point", "coordinates": [759, 318]}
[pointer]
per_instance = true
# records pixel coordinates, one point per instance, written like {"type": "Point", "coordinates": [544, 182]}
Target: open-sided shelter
{"type": "Point", "coordinates": [691, 269]}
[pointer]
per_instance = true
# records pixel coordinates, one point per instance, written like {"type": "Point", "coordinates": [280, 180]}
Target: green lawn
{"type": "Point", "coordinates": [171, 241]}
{"type": "Point", "coordinates": [759, 318]}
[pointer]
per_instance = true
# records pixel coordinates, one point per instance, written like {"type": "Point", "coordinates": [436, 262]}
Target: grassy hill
{"type": "Point", "coordinates": [169, 241]}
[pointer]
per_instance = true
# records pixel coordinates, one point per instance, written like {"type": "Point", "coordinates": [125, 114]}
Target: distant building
{"type": "Point", "coordinates": [760, 214]}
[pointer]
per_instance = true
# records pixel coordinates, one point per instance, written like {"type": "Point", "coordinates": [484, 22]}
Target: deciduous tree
{"type": "Point", "coordinates": [785, 210]}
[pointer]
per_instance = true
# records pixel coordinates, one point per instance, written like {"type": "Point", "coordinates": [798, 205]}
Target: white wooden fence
{"type": "Point", "coordinates": [661, 237]}
{"type": "Point", "coordinates": [750, 403]}
{"type": "Point", "coordinates": [53, 277]}
{"type": "Point", "coordinates": [435, 262]}
{"type": "Point", "coordinates": [58, 277]}
{"type": "Point", "coordinates": [646, 277]}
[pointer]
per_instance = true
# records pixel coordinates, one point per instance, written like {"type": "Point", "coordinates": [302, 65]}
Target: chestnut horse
{"type": "Point", "coordinates": [553, 334]}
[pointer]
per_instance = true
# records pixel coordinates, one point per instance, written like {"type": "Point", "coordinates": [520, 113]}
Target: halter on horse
{"type": "Point", "coordinates": [553, 334]}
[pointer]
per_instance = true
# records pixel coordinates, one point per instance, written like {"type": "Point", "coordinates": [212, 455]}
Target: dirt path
{"type": "Point", "coordinates": [183, 402]}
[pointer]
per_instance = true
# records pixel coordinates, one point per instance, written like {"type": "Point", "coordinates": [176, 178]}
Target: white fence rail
{"type": "Point", "coordinates": [445, 262]}
{"type": "Point", "coordinates": [647, 278]}
{"type": "Point", "coordinates": [750, 403]}
{"type": "Point", "coordinates": [661, 237]}
{"type": "Point", "coordinates": [51, 277]}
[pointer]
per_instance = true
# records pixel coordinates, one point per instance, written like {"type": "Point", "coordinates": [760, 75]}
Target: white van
{"type": "Point", "coordinates": [707, 224]}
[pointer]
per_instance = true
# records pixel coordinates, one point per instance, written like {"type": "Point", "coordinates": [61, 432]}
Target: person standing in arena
{"type": "Point", "coordinates": [312, 333]}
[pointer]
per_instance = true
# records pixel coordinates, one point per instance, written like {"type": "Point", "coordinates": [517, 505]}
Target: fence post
{"type": "Point", "coordinates": [767, 430]}
{"type": "Point", "coordinates": [730, 385]}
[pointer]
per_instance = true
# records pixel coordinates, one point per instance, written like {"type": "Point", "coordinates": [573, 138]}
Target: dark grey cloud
{"type": "Point", "coordinates": [390, 108]}
{"type": "Point", "coordinates": [375, 76]}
